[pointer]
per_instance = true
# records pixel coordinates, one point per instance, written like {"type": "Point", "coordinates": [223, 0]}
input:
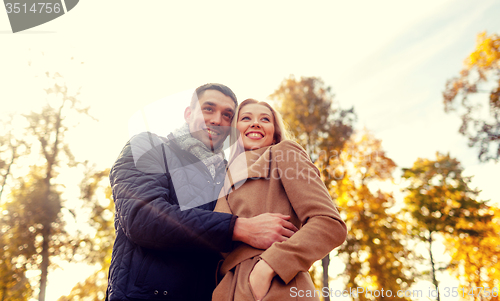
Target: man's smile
{"type": "Point", "coordinates": [212, 133]}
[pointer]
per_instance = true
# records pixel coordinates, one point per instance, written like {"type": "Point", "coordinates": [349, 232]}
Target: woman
{"type": "Point", "coordinates": [275, 175]}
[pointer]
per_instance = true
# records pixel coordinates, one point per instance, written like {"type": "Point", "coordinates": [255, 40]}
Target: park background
{"type": "Point", "coordinates": [388, 60]}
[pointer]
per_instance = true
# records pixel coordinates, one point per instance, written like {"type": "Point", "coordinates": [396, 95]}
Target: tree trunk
{"type": "Point", "coordinates": [51, 161]}
{"type": "Point", "coordinates": [4, 292]}
{"type": "Point", "coordinates": [434, 280]}
{"type": "Point", "coordinates": [325, 262]}
{"type": "Point", "coordinates": [45, 262]}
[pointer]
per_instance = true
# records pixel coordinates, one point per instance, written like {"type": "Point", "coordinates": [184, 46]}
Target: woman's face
{"type": "Point", "coordinates": [256, 125]}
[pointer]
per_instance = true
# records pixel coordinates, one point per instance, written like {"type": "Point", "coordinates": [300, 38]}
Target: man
{"type": "Point", "coordinates": [168, 240]}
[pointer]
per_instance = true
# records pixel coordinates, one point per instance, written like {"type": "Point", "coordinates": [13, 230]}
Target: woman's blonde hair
{"type": "Point", "coordinates": [280, 131]}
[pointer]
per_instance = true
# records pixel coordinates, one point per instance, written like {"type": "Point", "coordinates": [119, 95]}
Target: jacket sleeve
{"type": "Point", "coordinates": [149, 218]}
{"type": "Point", "coordinates": [322, 227]}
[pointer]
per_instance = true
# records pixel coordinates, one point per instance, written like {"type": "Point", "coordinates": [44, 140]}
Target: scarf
{"type": "Point", "coordinates": [198, 149]}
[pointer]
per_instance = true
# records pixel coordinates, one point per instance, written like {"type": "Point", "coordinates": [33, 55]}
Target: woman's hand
{"type": "Point", "coordinates": [260, 279]}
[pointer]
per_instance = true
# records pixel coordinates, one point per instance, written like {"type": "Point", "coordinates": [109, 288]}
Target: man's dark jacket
{"type": "Point", "coordinates": [162, 252]}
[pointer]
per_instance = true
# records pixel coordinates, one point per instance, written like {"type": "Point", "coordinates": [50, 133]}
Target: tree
{"type": "Point", "coordinates": [312, 115]}
{"type": "Point", "coordinates": [49, 128]}
{"type": "Point", "coordinates": [375, 254]}
{"type": "Point", "coordinates": [24, 217]}
{"type": "Point", "coordinates": [96, 194]}
{"type": "Point", "coordinates": [480, 118]}
{"type": "Point", "coordinates": [440, 201]}
{"type": "Point", "coordinates": [316, 121]}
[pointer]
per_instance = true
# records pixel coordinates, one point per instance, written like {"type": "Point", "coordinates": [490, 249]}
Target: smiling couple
{"type": "Point", "coordinates": [180, 208]}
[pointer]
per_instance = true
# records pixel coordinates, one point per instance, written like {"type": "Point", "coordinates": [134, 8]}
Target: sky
{"type": "Point", "coordinates": [388, 59]}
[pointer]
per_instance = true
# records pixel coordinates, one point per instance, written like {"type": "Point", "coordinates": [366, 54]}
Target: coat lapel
{"type": "Point", "coordinates": [247, 165]}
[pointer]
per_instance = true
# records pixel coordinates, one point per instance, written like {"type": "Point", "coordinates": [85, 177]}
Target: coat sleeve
{"type": "Point", "coordinates": [144, 211]}
{"type": "Point", "coordinates": [322, 227]}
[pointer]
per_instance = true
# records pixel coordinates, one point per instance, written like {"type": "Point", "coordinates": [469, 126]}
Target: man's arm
{"type": "Point", "coordinates": [263, 230]}
{"type": "Point", "coordinates": [148, 217]}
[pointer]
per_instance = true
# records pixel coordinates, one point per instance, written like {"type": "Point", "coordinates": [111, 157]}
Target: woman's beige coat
{"type": "Point", "coordinates": [279, 179]}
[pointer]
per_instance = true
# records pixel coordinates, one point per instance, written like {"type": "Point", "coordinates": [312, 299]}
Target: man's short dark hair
{"type": "Point", "coordinates": [212, 86]}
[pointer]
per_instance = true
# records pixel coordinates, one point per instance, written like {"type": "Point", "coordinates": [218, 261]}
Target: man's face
{"type": "Point", "coordinates": [210, 119]}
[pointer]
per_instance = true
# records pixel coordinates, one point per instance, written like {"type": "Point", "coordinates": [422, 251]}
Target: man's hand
{"type": "Point", "coordinates": [260, 279]}
{"type": "Point", "coordinates": [263, 230]}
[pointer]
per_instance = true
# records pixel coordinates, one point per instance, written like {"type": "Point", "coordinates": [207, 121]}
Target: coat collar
{"type": "Point", "coordinates": [248, 165]}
